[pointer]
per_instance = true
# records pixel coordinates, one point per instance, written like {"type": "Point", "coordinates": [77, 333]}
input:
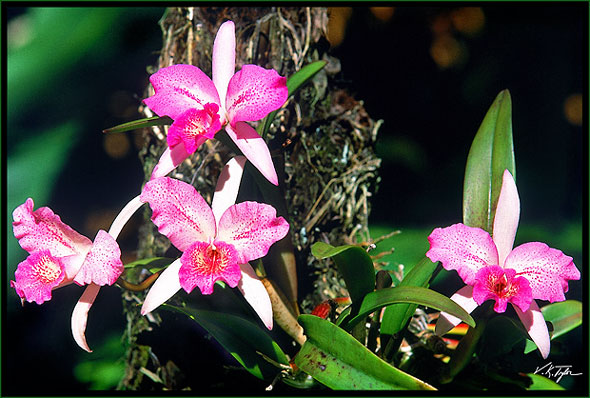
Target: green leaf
{"type": "Point", "coordinates": [565, 316]}
{"type": "Point", "coordinates": [153, 264]}
{"type": "Point", "coordinates": [241, 338]}
{"type": "Point", "coordinates": [300, 77]}
{"type": "Point", "coordinates": [140, 123]}
{"type": "Point", "coordinates": [354, 265]}
{"type": "Point", "coordinates": [408, 294]}
{"type": "Point", "coordinates": [542, 383]}
{"type": "Point", "coordinates": [396, 316]}
{"type": "Point", "coordinates": [491, 153]}
{"type": "Point", "coordinates": [339, 361]}
{"type": "Point", "coordinates": [294, 82]}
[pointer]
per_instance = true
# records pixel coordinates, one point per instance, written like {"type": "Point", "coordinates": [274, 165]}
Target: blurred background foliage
{"type": "Point", "coordinates": [429, 72]}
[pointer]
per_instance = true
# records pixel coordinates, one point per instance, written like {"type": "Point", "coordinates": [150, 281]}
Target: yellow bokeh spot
{"type": "Point", "coordinates": [382, 13]}
{"type": "Point", "coordinates": [116, 145]}
{"type": "Point", "coordinates": [446, 51]}
{"type": "Point", "coordinates": [468, 20]}
{"type": "Point", "coordinates": [573, 109]}
{"type": "Point", "coordinates": [338, 19]}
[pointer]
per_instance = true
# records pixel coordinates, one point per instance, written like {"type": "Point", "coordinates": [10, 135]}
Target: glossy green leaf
{"type": "Point", "coordinates": [542, 383]}
{"type": "Point", "coordinates": [354, 265]}
{"type": "Point", "coordinates": [241, 338]}
{"type": "Point", "coordinates": [408, 294]}
{"type": "Point", "coordinates": [396, 316]}
{"type": "Point", "coordinates": [294, 82]}
{"type": "Point", "coordinates": [564, 316]}
{"type": "Point", "coordinates": [153, 264]}
{"type": "Point", "coordinates": [491, 153]}
{"type": "Point", "coordinates": [337, 360]}
{"type": "Point", "coordinates": [139, 124]}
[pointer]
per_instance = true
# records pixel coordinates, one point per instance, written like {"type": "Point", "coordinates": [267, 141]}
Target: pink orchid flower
{"type": "Point", "coordinates": [217, 242]}
{"type": "Point", "coordinates": [492, 269]}
{"type": "Point", "coordinates": [200, 106]}
{"type": "Point", "coordinates": [59, 256]}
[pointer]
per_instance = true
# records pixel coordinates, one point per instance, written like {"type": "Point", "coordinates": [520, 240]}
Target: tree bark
{"type": "Point", "coordinates": [322, 142]}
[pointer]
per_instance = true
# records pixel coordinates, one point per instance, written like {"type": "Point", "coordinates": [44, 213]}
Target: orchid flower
{"type": "Point", "coordinates": [492, 269]}
{"type": "Point", "coordinates": [217, 242]}
{"type": "Point", "coordinates": [200, 107]}
{"type": "Point", "coordinates": [59, 256]}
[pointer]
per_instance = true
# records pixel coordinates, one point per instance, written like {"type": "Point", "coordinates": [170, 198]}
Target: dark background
{"type": "Point", "coordinates": [73, 72]}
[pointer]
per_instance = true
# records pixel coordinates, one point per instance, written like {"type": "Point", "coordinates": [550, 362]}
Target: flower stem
{"type": "Point", "coordinates": [141, 286]}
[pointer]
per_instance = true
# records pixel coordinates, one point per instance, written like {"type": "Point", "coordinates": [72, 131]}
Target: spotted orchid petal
{"type": "Point", "coordinates": [203, 264]}
{"type": "Point", "coordinates": [547, 270]}
{"type": "Point", "coordinates": [223, 62]}
{"type": "Point", "coordinates": [254, 148]}
{"type": "Point", "coordinates": [165, 287]}
{"type": "Point", "coordinates": [251, 228]}
{"type": "Point", "coordinates": [102, 265]}
{"type": "Point", "coordinates": [181, 87]}
{"type": "Point", "coordinates": [534, 323]}
{"type": "Point", "coordinates": [506, 218]}
{"type": "Point", "coordinates": [169, 160]}
{"type": "Point", "coordinates": [179, 212]}
{"type": "Point", "coordinates": [80, 315]}
{"type": "Point", "coordinates": [228, 186]}
{"type": "Point", "coordinates": [194, 127]}
{"type": "Point", "coordinates": [42, 229]}
{"type": "Point", "coordinates": [253, 92]}
{"type": "Point", "coordinates": [464, 249]}
{"type": "Point", "coordinates": [463, 297]}
{"type": "Point", "coordinates": [37, 276]}
{"type": "Point", "coordinates": [255, 294]}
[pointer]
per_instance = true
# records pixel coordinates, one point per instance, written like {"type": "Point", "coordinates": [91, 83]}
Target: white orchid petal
{"type": "Point", "coordinates": [165, 287]}
{"type": "Point", "coordinates": [228, 186]}
{"type": "Point", "coordinates": [80, 315]}
{"type": "Point", "coordinates": [256, 295]}
{"type": "Point", "coordinates": [506, 218]}
{"type": "Point", "coordinates": [463, 297]}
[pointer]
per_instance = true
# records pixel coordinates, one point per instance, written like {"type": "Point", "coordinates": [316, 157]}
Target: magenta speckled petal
{"type": "Point", "coordinates": [43, 230]}
{"type": "Point", "coordinates": [464, 249]}
{"type": "Point", "coordinates": [203, 264]}
{"type": "Point", "coordinates": [546, 269]}
{"type": "Point", "coordinates": [80, 315]}
{"type": "Point", "coordinates": [251, 228]}
{"type": "Point", "coordinates": [254, 92]}
{"type": "Point", "coordinates": [506, 218]}
{"type": "Point", "coordinates": [37, 276]}
{"type": "Point", "coordinates": [223, 60]}
{"type": "Point", "coordinates": [254, 149]}
{"type": "Point", "coordinates": [194, 127]}
{"type": "Point", "coordinates": [179, 88]}
{"type": "Point", "coordinates": [179, 212]}
{"type": "Point", "coordinates": [103, 263]}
